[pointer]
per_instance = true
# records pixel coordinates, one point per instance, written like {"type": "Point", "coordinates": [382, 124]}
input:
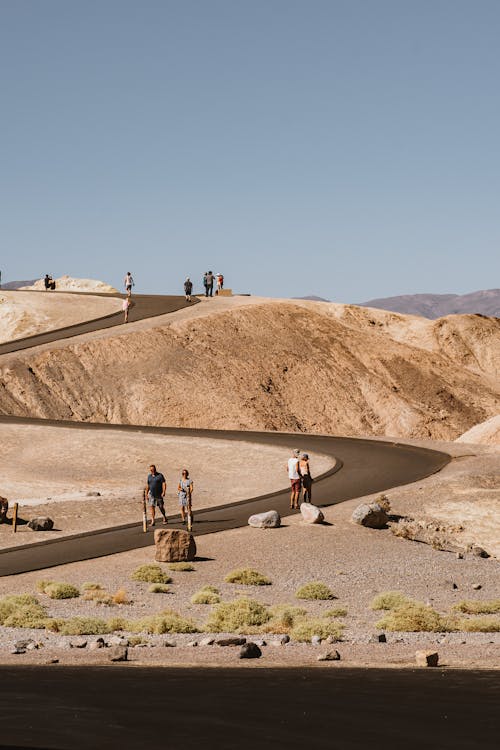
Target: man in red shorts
{"type": "Point", "coordinates": [294, 476]}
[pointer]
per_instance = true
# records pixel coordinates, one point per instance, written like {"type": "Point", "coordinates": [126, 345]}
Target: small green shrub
{"type": "Point", "coordinates": [150, 574]}
{"type": "Point", "coordinates": [305, 629]}
{"type": "Point", "coordinates": [98, 596]}
{"type": "Point", "coordinates": [314, 590]}
{"type": "Point", "coordinates": [61, 591]}
{"type": "Point", "coordinates": [247, 577]}
{"type": "Point", "coordinates": [42, 585]}
{"type": "Point", "coordinates": [414, 617]}
{"type": "Point", "coordinates": [206, 595]}
{"type": "Point", "coordinates": [22, 611]}
{"type": "Point", "coordinates": [479, 625]}
{"type": "Point", "coordinates": [336, 612]}
{"type": "Point", "coordinates": [89, 586]}
{"type": "Point", "coordinates": [80, 626]}
{"type": "Point", "coordinates": [167, 621]}
{"type": "Point", "coordinates": [388, 600]}
{"type": "Point", "coordinates": [182, 566]}
{"type": "Point", "coordinates": [159, 588]}
{"type": "Point", "coordinates": [237, 616]}
{"type": "Point", "coordinates": [478, 608]}
{"type": "Point", "coordinates": [117, 623]}
{"type": "Point", "coordinates": [283, 618]}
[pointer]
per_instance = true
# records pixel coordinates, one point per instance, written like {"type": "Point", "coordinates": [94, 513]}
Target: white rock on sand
{"type": "Point", "coordinates": [70, 284]}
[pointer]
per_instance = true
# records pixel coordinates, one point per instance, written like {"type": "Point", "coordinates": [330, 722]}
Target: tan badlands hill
{"type": "Point", "coordinates": [486, 433]}
{"type": "Point", "coordinates": [69, 284]}
{"type": "Point", "coordinates": [251, 363]}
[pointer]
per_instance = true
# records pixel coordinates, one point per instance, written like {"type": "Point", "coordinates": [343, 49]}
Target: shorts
{"type": "Point", "coordinates": [307, 481]}
{"type": "Point", "coordinates": [183, 501]}
{"type": "Point", "coordinates": [295, 484]}
{"type": "Point", "coordinates": [155, 501]}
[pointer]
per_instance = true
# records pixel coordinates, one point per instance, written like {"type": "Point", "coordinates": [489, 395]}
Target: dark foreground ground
{"type": "Point", "coordinates": [331, 707]}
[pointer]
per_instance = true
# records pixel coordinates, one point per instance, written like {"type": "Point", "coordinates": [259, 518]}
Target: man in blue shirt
{"type": "Point", "coordinates": [155, 489]}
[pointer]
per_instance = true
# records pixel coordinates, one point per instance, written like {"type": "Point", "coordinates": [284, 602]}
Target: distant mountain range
{"type": "Point", "coordinates": [16, 284]}
{"type": "Point", "coordinates": [484, 302]}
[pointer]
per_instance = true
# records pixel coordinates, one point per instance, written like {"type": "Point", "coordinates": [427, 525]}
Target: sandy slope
{"type": "Point", "coordinates": [24, 314]}
{"type": "Point", "coordinates": [487, 433]}
{"type": "Point", "coordinates": [250, 363]}
{"type": "Point", "coordinates": [69, 284]}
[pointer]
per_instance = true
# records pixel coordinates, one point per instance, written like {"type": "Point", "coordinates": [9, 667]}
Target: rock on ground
{"type": "Point", "coordinates": [41, 523]}
{"type": "Point", "coordinates": [426, 658]}
{"type": "Point", "coordinates": [311, 513]}
{"type": "Point", "coordinates": [174, 545]}
{"type": "Point", "coordinates": [370, 515]}
{"type": "Point", "coordinates": [268, 520]}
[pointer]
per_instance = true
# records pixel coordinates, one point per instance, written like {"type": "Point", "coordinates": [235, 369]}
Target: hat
{"type": "Point", "coordinates": [305, 455]}
{"type": "Point", "coordinates": [296, 452]}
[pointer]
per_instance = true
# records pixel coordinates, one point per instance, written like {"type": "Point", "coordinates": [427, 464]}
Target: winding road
{"type": "Point", "coordinates": [361, 466]}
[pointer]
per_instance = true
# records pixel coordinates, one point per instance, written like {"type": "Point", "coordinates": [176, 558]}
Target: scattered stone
{"type": "Point", "coordinates": [330, 639]}
{"type": "Point", "coordinates": [118, 640]}
{"type": "Point", "coordinates": [79, 643]}
{"type": "Point", "coordinates": [478, 551]}
{"type": "Point", "coordinates": [93, 494]}
{"type": "Point", "coordinates": [281, 640]}
{"type": "Point", "coordinates": [377, 638]}
{"type": "Point", "coordinates": [451, 584]}
{"type": "Point", "coordinates": [33, 646]}
{"type": "Point", "coordinates": [24, 644]}
{"type": "Point", "coordinates": [311, 513]}
{"type": "Point", "coordinates": [427, 658]}
{"type": "Point", "coordinates": [232, 641]}
{"type": "Point", "coordinates": [142, 645]}
{"type": "Point", "coordinates": [174, 545]}
{"type": "Point", "coordinates": [329, 656]}
{"type": "Point", "coordinates": [370, 515]}
{"type": "Point", "coordinates": [476, 586]}
{"type": "Point", "coordinates": [316, 640]}
{"type": "Point", "coordinates": [260, 642]}
{"type": "Point", "coordinates": [98, 643]}
{"type": "Point", "coordinates": [16, 650]}
{"type": "Point", "coordinates": [192, 644]}
{"type": "Point", "coordinates": [41, 523]}
{"type": "Point", "coordinates": [169, 644]}
{"type": "Point", "coordinates": [460, 555]}
{"type": "Point", "coordinates": [53, 661]}
{"type": "Point", "coordinates": [118, 653]}
{"type": "Point", "coordinates": [250, 651]}
{"type": "Point", "coordinates": [209, 641]}
{"type": "Point", "coordinates": [63, 644]}
{"type": "Point", "coordinates": [269, 520]}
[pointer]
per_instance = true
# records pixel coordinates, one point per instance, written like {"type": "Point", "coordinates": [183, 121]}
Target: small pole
{"type": "Point", "coordinates": [144, 513]}
{"type": "Point", "coordinates": [14, 517]}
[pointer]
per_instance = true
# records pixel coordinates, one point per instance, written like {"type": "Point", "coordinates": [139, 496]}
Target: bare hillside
{"type": "Point", "coordinates": [484, 302]}
{"type": "Point", "coordinates": [270, 364]}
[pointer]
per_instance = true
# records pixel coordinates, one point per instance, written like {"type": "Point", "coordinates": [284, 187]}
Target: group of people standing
{"type": "Point", "coordinates": [300, 477]}
{"type": "Point", "coordinates": [209, 279]}
{"type": "Point", "coordinates": [156, 487]}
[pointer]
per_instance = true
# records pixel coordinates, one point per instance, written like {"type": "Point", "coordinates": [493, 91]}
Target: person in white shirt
{"type": "Point", "coordinates": [294, 477]}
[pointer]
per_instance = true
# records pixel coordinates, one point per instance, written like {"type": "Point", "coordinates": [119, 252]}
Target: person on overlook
{"type": "Point", "coordinates": [220, 282]}
{"type": "Point", "coordinates": [126, 305]}
{"type": "Point", "coordinates": [209, 283]}
{"type": "Point", "coordinates": [294, 477]}
{"type": "Point", "coordinates": [156, 487]}
{"type": "Point", "coordinates": [129, 283]}
{"type": "Point", "coordinates": [185, 494]}
{"type": "Point", "coordinates": [188, 288]}
{"type": "Point", "coordinates": [306, 478]}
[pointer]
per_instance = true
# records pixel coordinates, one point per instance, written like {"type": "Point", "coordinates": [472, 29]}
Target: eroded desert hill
{"type": "Point", "coordinates": [271, 364]}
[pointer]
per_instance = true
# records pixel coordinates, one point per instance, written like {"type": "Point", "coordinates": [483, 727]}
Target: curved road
{"type": "Point", "coordinates": [367, 467]}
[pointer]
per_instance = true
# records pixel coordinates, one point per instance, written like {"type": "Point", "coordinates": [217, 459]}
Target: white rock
{"type": "Point", "coordinates": [269, 520]}
{"type": "Point", "coordinates": [311, 513]}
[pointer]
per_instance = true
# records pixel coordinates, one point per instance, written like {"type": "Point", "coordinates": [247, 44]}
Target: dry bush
{"type": "Point", "coordinates": [336, 612]}
{"type": "Point", "coordinates": [89, 586]}
{"type": "Point", "coordinates": [247, 577]}
{"type": "Point", "coordinates": [283, 618]}
{"type": "Point", "coordinates": [42, 585]}
{"type": "Point", "coordinates": [117, 623]}
{"type": "Point", "coordinates": [120, 597]}
{"type": "Point", "coordinates": [206, 595]}
{"type": "Point", "coordinates": [479, 625]}
{"type": "Point", "coordinates": [22, 611]}
{"type": "Point", "coordinates": [136, 640]}
{"type": "Point", "coordinates": [237, 616]}
{"type": "Point", "coordinates": [414, 617]}
{"type": "Point", "coordinates": [167, 621]}
{"type": "Point", "coordinates": [473, 607]}
{"type": "Point", "coordinates": [182, 566]}
{"type": "Point", "coordinates": [388, 600]}
{"type": "Point", "coordinates": [305, 629]}
{"type": "Point", "coordinates": [314, 590]}
{"type": "Point", "coordinates": [150, 574]}
{"type": "Point", "coordinates": [61, 591]}
{"type": "Point", "coordinates": [80, 626]}
{"type": "Point", "coordinates": [98, 596]}
{"type": "Point", "coordinates": [384, 502]}
{"type": "Point", "coordinates": [159, 588]}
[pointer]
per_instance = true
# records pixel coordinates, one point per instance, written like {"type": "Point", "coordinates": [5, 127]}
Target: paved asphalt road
{"type": "Point", "coordinates": [363, 467]}
{"type": "Point", "coordinates": [322, 708]}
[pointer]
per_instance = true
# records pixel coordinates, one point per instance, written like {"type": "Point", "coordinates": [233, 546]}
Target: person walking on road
{"type": "Point", "coordinates": [209, 284]}
{"type": "Point", "coordinates": [220, 283]}
{"type": "Point", "coordinates": [185, 495]}
{"type": "Point", "coordinates": [129, 283]}
{"type": "Point", "coordinates": [294, 477]}
{"type": "Point", "coordinates": [188, 288]}
{"type": "Point", "coordinates": [155, 488]}
{"type": "Point", "coordinates": [126, 305]}
{"type": "Point", "coordinates": [306, 478]}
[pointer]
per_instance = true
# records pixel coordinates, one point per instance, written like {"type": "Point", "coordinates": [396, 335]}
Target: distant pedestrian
{"type": "Point", "coordinates": [46, 282]}
{"type": "Point", "coordinates": [209, 284]}
{"type": "Point", "coordinates": [188, 288]}
{"type": "Point", "coordinates": [129, 283]}
{"type": "Point", "coordinates": [294, 477]}
{"type": "Point", "coordinates": [306, 478]}
{"type": "Point", "coordinates": [126, 305]}
{"type": "Point", "coordinates": [156, 487]}
{"type": "Point", "coordinates": [220, 282]}
{"type": "Point", "coordinates": [4, 507]}
{"type": "Point", "coordinates": [185, 495]}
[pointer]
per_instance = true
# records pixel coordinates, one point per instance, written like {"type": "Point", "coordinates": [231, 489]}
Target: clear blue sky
{"type": "Point", "coordinates": [347, 148]}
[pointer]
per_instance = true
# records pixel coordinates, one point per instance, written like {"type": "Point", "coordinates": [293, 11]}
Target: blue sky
{"type": "Point", "coordinates": [343, 148]}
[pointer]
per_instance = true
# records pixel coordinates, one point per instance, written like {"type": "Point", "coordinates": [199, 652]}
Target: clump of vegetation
{"type": "Point", "coordinates": [136, 640]}
{"type": "Point", "coordinates": [414, 617]}
{"type": "Point", "coordinates": [306, 628]}
{"type": "Point", "coordinates": [89, 586]}
{"type": "Point", "coordinates": [206, 595]}
{"type": "Point", "coordinates": [478, 608]}
{"type": "Point", "coordinates": [479, 625]}
{"type": "Point", "coordinates": [336, 612]}
{"type": "Point", "coordinates": [388, 600]}
{"type": "Point", "coordinates": [42, 585]}
{"type": "Point", "coordinates": [314, 590]}
{"type": "Point", "coordinates": [80, 626]}
{"type": "Point", "coordinates": [61, 591]}
{"type": "Point", "coordinates": [181, 566]}
{"type": "Point", "coordinates": [150, 574]}
{"type": "Point", "coordinates": [120, 597]}
{"type": "Point", "coordinates": [384, 502]}
{"type": "Point", "coordinates": [167, 621]}
{"type": "Point", "coordinates": [98, 596]}
{"type": "Point", "coordinates": [237, 616]}
{"type": "Point", "coordinates": [117, 623]}
{"type": "Point", "coordinates": [283, 618]}
{"type": "Point", "coordinates": [22, 611]}
{"type": "Point", "coordinates": [247, 577]}
{"type": "Point", "coordinates": [159, 588]}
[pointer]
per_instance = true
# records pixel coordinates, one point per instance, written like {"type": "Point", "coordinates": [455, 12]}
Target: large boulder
{"type": "Point", "coordinates": [426, 658]}
{"type": "Point", "coordinates": [269, 520]}
{"type": "Point", "coordinates": [311, 514]}
{"type": "Point", "coordinates": [370, 515]}
{"type": "Point", "coordinates": [41, 523]}
{"type": "Point", "coordinates": [174, 545]}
